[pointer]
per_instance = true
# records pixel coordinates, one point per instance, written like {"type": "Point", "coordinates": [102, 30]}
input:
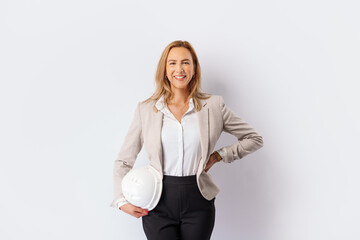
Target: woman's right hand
{"type": "Point", "coordinates": [133, 210]}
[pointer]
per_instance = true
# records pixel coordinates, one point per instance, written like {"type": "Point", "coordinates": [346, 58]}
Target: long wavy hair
{"type": "Point", "coordinates": [163, 86]}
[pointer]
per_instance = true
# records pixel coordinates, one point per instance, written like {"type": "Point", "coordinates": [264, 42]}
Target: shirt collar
{"type": "Point", "coordinates": [161, 106]}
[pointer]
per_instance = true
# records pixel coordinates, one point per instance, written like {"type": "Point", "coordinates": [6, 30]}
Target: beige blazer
{"type": "Point", "coordinates": [214, 117]}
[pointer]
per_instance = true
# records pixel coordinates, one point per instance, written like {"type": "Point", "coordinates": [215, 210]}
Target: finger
{"type": "Point", "coordinates": [143, 213]}
{"type": "Point", "coordinates": [208, 166]}
{"type": "Point", "coordinates": [137, 214]}
{"type": "Point", "coordinates": [142, 210]}
{"type": "Point", "coordinates": [140, 214]}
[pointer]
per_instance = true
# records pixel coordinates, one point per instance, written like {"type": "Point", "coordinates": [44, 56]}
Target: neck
{"type": "Point", "coordinates": [180, 96]}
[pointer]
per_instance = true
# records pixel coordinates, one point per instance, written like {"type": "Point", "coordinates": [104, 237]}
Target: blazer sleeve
{"type": "Point", "coordinates": [126, 158]}
{"type": "Point", "coordinates": [248, 139]}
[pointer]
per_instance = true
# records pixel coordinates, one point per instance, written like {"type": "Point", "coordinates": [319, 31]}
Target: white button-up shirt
{"type": "Point", "coordinates": [180, 141]}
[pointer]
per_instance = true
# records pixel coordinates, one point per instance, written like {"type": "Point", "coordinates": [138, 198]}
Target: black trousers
{"type": "Point", "coordinates": [182, 212]}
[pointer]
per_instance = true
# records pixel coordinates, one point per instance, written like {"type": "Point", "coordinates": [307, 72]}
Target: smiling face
{"type": "Point", "coordinates": [179, 67]}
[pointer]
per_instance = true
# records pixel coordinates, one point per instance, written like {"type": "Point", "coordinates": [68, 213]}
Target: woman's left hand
{"type": "Point", "coordinates": [212, 161]}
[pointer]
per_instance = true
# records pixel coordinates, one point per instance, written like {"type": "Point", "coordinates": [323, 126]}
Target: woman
{"type": "Point", "coordinates": [179, 126]}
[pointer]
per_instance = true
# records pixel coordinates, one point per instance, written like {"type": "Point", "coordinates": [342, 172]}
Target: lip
{"type": "Point", "coordinates": [180, 79]}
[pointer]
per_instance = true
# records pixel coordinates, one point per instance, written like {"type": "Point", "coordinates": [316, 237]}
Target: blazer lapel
{"type": "Point", "coordinates": [156, 133]}
{"type": "Point", "coordinates": [203, 121]}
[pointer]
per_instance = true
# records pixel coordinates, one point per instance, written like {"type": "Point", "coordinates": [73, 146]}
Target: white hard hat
{"type": "Point", "coordinates": [142, 187]}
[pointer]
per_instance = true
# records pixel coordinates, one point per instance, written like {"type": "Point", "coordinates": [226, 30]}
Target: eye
{"type": "Point", "coordinates": [171, 63]}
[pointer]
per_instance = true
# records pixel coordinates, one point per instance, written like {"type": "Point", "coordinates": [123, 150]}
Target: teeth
{"type": "Point", "coordinates": [179, 77]}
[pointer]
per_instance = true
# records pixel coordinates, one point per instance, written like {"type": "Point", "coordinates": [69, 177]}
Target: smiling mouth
{"type": "Point", "coordinates": [179, 77]}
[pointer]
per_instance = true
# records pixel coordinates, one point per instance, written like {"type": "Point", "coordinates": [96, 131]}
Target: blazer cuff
{"type": "Point", "coordinates": [115, 202]}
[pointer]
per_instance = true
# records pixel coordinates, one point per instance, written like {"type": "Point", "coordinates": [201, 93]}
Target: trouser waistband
{"type": "Point", "coordinates": [179, 179]}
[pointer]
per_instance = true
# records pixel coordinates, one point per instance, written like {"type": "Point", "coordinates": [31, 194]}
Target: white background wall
{"type": "Point", "coordinates": [73, 71]}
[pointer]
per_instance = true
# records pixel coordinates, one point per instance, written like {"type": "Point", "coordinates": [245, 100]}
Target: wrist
{"type": "Point", "coordinates": [218, 156]}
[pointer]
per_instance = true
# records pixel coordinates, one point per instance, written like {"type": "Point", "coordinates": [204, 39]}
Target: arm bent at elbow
{"type": "Point", "coordinates": [248, 139]}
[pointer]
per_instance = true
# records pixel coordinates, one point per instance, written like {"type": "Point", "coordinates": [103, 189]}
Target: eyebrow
{"type": "Point", "coordinates": [181, 60]}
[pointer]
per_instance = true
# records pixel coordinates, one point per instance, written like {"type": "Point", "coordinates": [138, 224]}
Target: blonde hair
{"type": "Point", "coordinates": [163, 86]}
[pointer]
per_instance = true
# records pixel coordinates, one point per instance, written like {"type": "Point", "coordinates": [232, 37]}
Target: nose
{"type": "Point", "coordinates": [179, 68]}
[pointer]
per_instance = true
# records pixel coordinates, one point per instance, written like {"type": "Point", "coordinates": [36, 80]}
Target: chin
{"type": "Point", "coordinates": [182, 86]}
